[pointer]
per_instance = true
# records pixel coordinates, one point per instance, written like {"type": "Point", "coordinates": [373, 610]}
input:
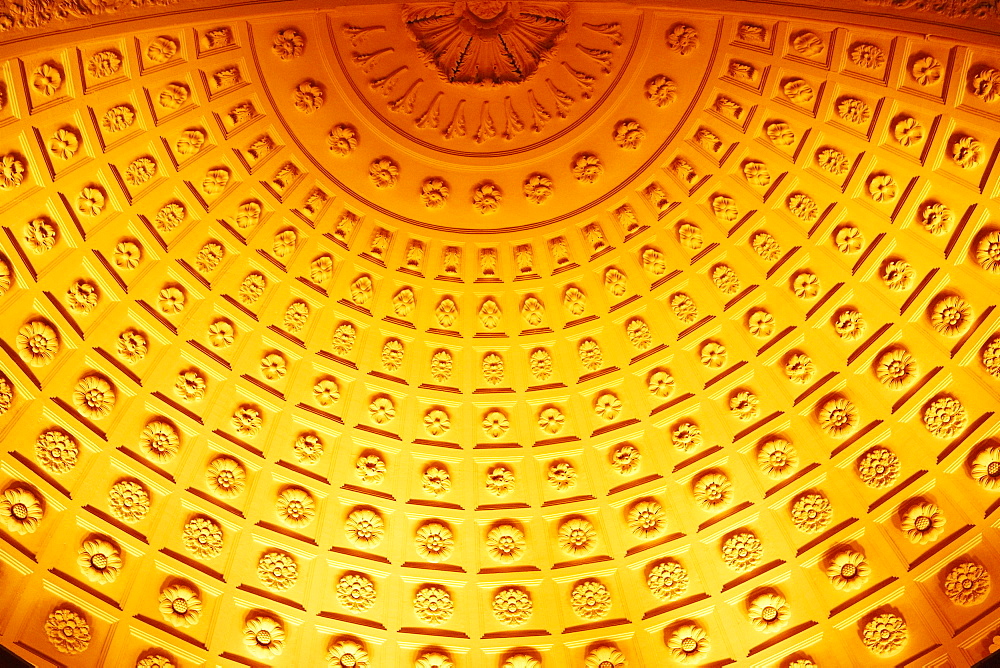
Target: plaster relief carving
{"type": "Point", "coordinates": [183, 252]}
{"type": "Point", "coordinates": [20, 510]}
{"type": "Point", "coordinates": [781, 134]}
{"type": "Point", "coordinates": [308, 449]}
{"type": "Point", "coordinates": [46, 79]}
{"type": "Point", "coordinates": [64, 143]}
{"type": "Point", "coordinates": [808, 43]}
{"type": "Point", "coordinates": [446, 312]}
{"type": "Point", "coordinates": [441, 366]}
{"type": "Point", "coordinates": [342, 140]}
{"type": "Point", "coordinates": [668, 580]}
{"type": "Point", "coordinates": [562, 475]}
{"type": "Point", "coordinates": [838, 416]}
{"type": "Point", "coordinates": [803, 207]}
{"type": "Point", "coordinates": [927, 71]}
{"type": "Point", "coordinates": [437, 422]}
{"type": "Point", "coordinates": [384, 173]}
{"type": "Point", "coordinates": [879, 467]}
{"type": "Point", "coordinates": [82, 297]}
{"type": "Point", "coordinates": [945, 417]}
{"type": "Point", "coordinates": [799, 91]}
{"type": "Point", "coordinates": [968, 152]}
{"type": "Point", "coordinates": [203, 538]}
{"type": "Point", "coordinates": [682, 39]}
{"type": "Point", "coordinates": [512, 606]}
{"type": "Point", "coordinates": [190, 386]}
{"type": "Point", "coordinates": [629, 134]}
{"type": "Point", "coordinates": [883, 188]}
{"type": "Point", "coordinates": [833, 161]}
{"type": "Point", "coordinates": [854, 110]}
{"type": "Point", "coordinates": [501, 43]}
{"type": "Point", "coordinates": [434, 542]}
{"type": "Point", "coordinates": [159, 441]}
{"type": "Point", "coordinates": [436, 481]}
{"type": "Point", "coordinates": [308, 97]}
{"type": "Point", "coordinates": [264, 637]}
{"type": "Point", "coordinates": [68, 632]}
{"type": "Point", "coordinates": [777, 459]}
{"type": "Point", "coordinates": [577, 537]}
{"type": "Point", "coordinates": [712, 492]}
{"type": "Point", "coordinates": [744, 406]}
{"type": "Point", "coordinates": [433, 660]}
{"type": "Point", "coordinates": [551, 420]}
{"type": "Point", "coordinates": [12, 172]}
{"type": "Point", "coordinates": [967, 583]}
{"type": "Point", "coordinates": [37, 343]}
{"type": "Point", "coordinates": [56, 451]}
{"type": "Point", "coordinates": [849, 240]}
{"type": "Point", "coordinates": [768, 613]}
{"type": "Point", "coordinates": [489, 314]}
{"type": "Point", "coordinates": [867, 56]}
{"type": "Point", "coordinates": [848, 570]}
{"type": "Point", "coordinates": [94, 397]}
{"type": "Point", "coordinates": [370, 469]}
{"type": "Point", "coordinates": [591, 600]}
{"type": "Point", "coordinates": [173, 96]}
{"type": "Point", "coordinates": [356, 592]}
{"type": "Point", "coordinates": [434, 193]}
{"type": "Point", "coordinates": [742, 71]}
{"type": "Point", "coordinates": [951, 315]}
{"type": "Point", "coordinates": [908, 132]}
{"type": "Point", "coordinates": [896, 369]}
{"type": "Point", "coordinates": [91, 201]}
{"type": "Point", "coordinates": [99, 560]}
{"type": "Point", "coordinates": [190, 142]}
{"type": "Point", "coordinates": [247, 421]}
{"type": "Point", "coordinates": [128, 501]}
{"type": "Point", "coordinates": [381, 410]}
{"type": "Point", "coordinates": [708, 140]}
{"type": "Point", "coordinates": [347, 653]}
{"type": "Point", "coordinates": [885, 634]}
{"type": "Point", "coordinates": [626, 459]}
{"type": "Point", "coordinates": [433, 605]}
{"type": "Point", "coordinates": [898, 275]}
{"type": "Point", "coordinates": [661, 91]}
{"type": "Point", "coordinates": [587, 168]}
{"type": "Point", "coordinates": [361, 290]}
{"type": "Point", "coordinates": [986, 85]}
{"type": "Point", "coordinates": [812, 513]}
{"type": "Point", "coordinates": [295, 507]}
{"type": "Point", "coordinates": [140, 171]}
{"type": "Point", "coordinates": [540, 364]}
{"type": "Point", "coordinates": [688, 644]}
{"type": "Point", "coordinates": [288, 44]}
{"type": "Point", "coordinates": [486, 198]}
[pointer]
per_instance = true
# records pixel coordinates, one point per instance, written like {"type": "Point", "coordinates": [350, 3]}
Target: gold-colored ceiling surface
{"type": "Point", "coordinates": [501, 334]}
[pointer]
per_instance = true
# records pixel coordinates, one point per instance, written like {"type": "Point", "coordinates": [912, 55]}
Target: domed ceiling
{"type": "Point", "coordinates": [503, 334]}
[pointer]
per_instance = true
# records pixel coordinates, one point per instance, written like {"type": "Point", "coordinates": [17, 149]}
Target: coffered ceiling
{"type": "Point", "coordinates": [504, 334]}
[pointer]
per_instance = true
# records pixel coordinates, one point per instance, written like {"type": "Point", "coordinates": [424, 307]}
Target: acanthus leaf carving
{"type": "Point", "coordinates": [501, 43]}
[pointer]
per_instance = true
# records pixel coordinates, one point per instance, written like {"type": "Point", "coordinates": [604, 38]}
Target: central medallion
{"type": "Point", "coordinates": [486, 43]}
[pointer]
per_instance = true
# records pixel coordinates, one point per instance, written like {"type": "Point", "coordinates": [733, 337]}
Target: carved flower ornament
{"type": "Point", "coordinates": [20, 511]}
{"type": "Point", "coordinates": [667, 580]}
{"type": "Point", "coordinates": [264, 637]}
{"type": "Point", "coordinates": [347, 653]}
{"type": "Point", "coordinates": [486, 42]}
{"type": "Point", "coordinates": [68, 632]}
{"type": "Point", "coordinates": [356, 592]}
{"type": "Point", "coordinates": [56, 451]}
{"type": "Point", "coordinates": [505, 543]}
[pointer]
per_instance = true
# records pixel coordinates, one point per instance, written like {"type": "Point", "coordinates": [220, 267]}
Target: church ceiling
{"type": "Point", "coordinates": [504, 334]}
